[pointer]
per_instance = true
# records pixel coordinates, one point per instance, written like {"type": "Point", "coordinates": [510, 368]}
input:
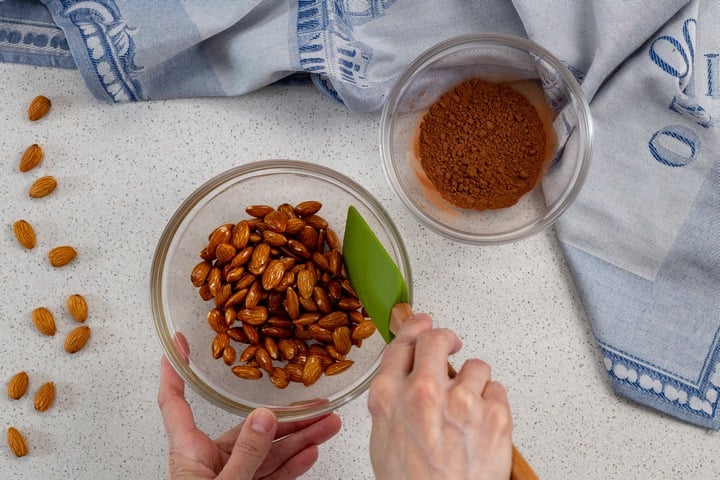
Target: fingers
{"type": "Point", "coordinates": [176, 413]}
{"type": "Point", "coordinates": [399, 355]}
{"type": "Point", "coordinates": [252, 445]}
{"type": "Point", "coordinates": [432, 350]}
{"type": "Point", "coordinates": [473, 376]}
{"type": "Point", "coordinates": [292, 453]}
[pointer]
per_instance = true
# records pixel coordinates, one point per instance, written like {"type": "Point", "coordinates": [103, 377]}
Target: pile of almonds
{"type": "Point", "coordinates": [42, 317]}
{"type": "Point", "coordinates": [280, 293]}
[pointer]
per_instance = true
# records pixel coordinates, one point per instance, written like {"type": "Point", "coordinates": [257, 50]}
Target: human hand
{"type": "Point", "coordinates": [426, 425]}
{"type": "Point", "coordinates": [246, 451]}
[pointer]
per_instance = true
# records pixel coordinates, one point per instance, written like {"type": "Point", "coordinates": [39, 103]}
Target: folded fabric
{"type": "Point", "coordinates": [643, 238]}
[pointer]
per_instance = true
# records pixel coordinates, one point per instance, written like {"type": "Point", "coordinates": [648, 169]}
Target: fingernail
{"type": "Point", "coordinates": [262, 420]}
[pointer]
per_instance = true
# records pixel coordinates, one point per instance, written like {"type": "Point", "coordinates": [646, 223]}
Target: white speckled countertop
{"type": "Point", "coordinates": [124, 169]}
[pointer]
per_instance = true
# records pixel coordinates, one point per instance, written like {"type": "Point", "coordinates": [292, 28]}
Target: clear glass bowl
{"type": "Point", "coordinates": [177, 307]}
{"type": "Point", "coordinates": [493, 58]}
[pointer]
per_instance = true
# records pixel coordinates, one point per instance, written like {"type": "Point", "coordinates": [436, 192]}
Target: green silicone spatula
{"type": "Point", "coordinates": [383, 292]}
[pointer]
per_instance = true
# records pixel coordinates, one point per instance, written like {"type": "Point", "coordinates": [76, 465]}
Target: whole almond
{"type": "Point", "coordinates": [342, 340]}
{"type": "Point", "coordinates": [247, 372]}
{"type": "Point", "coordinates": [307, 208]}
{"type": "Point", "coordinates": [45, 397]}
{"type": "Point", "coordinates": [312, 370]}
{"type": "Point", "coordinates": [77, 306]}
{"type": "Point", "coordinates": [25, 234]}
{"type": "Point", "coordinates": [338, 367]}
{"type": "Point", "coordinates": [44, 321]}
{"type": "Point", "coordinates": [17, 386]}
{"type": "Point", "coordinates": [16, 442]}
{"type": "Point", "coordinates": [363, 330]}
{"type": "Point", "coordinates": [31, 158]}
{"type": "Point", "coordinates": [43, 187]}
{"type": "Point", "coordinates": [38, 108]}
{"type": "Point", "coordinates": [62, 255]}
{"type": "Point", "coordinates": [77, 339]}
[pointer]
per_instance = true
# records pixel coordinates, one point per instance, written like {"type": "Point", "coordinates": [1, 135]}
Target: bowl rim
{"type": "Point", "coordinates": [585, 126]}
{"type": "Point", "coordinates": [171, 350]}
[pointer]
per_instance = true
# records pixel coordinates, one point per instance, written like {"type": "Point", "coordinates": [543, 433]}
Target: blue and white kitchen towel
{"type": "Point", "coordinates": [643, 238]}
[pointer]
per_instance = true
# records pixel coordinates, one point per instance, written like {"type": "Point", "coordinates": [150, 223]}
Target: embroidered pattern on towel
{"type": "Point", "coordinates": [109, 44]}
{"type": "Point", "coordinates": [698, 397]}
{"type": "Point", "coordinates": [29, 37]}
{"type": "Point", "coordinates": [326, 43]}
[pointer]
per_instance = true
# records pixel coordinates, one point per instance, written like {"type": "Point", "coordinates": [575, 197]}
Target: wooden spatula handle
{"type": "Point", "coordinates": [520, 469]}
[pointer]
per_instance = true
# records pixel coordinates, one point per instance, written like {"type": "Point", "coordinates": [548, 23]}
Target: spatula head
{"type": "Point", "coordinates": [372, 272]}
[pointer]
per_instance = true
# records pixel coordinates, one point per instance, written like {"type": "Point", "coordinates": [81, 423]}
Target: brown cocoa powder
{"type": "Point", "coordinates": [482, 145]}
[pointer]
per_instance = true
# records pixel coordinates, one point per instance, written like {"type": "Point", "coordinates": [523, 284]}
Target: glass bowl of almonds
{"type": "Point", "coordinates": [487, 138]}
{"type": "Point", "coordinates": [249, 294]}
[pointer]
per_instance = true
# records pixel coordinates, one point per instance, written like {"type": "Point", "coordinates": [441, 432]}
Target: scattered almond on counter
{"type": "Point", "coordinates": [25, 234]}
{"type": "Point", "coordinates": [17, 386]}
{"type": "Point", "coordinates": [38, 108]}
{"type": "Point", "coordinates": [43, 186]}
{"type": "Point", "coordinates": [77, 339]}
{"type": "Point", "coordinates": [44, 397]}
{"type": "Point", "coordinates": [31, 158]}
{"type": "Point", "coordinates": [62, 255]}
{"type": "Point", "coordinates": [16, 442]}
{"type": "Point", "coordinates": [44, 321]}
{"type": "Point", "coordinates": [77, 306]}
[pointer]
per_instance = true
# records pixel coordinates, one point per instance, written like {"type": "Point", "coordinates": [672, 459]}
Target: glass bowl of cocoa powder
{"type": "Point", "coordinates": [486, 138]}
{"type": "Point", "coordinates": [248, 289]}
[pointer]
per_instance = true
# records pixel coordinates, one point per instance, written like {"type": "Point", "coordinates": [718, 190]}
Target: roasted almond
{"type": "Point", "coordinates": [363, 330]}
{"type": "Point", "coordinates": [338, 367]}
{"type": "Point", "coordinates": [247, 372]}
{"type": "Point", "coordinates": [44, 321]}
{"type": "Point", "coordinates": [253, 315]}
{"type": "Point", "coordinates": [16, 442]}
{"type": "Point", "coordinates": [307, 208]}
{"type": "Point", "coordinates": [31, 158]}
{"type": "Point", "coordinates": [62, 255]}
{"type": "Point", "coordinates": [43, 187]}
{"type": "Point", "coordinates": [17, 386]}
{"type": "Point", "coordinates": [199, 274]}
{"type": "Point", "coordinates": [25, 234]}
{"type": "Point", "coordinates": [312, 370]}
{"type": "Point", "coordinates": [38, 108]}
{"type": "Point", "coordinates": [279, 378]}
{"type": "Point", "coordinates": [342, 340]}
{"type": "Point", "coordinates": [77, 306]}
{"type": "Point", "coordinates": [273, 274]}
{"type": "Point", "coordinates": [77, 339]}
{"type": "Point", "coordinates": [45, 397]}
{"type": "Point", "coordinates": [259, 211]}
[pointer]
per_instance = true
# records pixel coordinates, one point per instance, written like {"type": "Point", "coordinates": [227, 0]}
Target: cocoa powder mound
{"type": "Point", "coordinates": [482, 145]}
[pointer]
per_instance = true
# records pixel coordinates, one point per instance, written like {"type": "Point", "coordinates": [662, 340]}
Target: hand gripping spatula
{"type": "Point", "coordinates": [380, 287]}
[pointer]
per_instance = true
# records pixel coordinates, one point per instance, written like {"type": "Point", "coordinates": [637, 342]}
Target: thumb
{"type": "Point", "coordinates": [252, 445]}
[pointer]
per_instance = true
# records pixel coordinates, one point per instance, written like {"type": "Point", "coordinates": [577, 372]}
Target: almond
{"type": "Point", "coordinates": [342, 340]}
{"type": "Point", "coordinates": [363, 330]}
{"type": "Point", "coordinates": [43, 187]}
{"type": "Point", "coordinates": [312, 370]}
{"type": "Point", "coordinates": [62, 255]}
{"type": "Point", "coordinates": [17, 386]}
{"type": "Point", "coordinates": [38, 108]}
{"type": "Point", "coordinates": [77, 339]}
{"type": "Point", "coordinates": [77, 306]}
{"type": "Point", "coordinates": [253, 315]}
{"type": "Point", "coordinates": [25, 234]}
{"type": "Point", "coordinates": [44, 321]}
{"type": "Point", "coordinates": [307, 208]}
{"type": "Point", "coordinates": [31, 158]}
{"type": "Point", "coordinates": [45, 397]}
{"type": "Point", "coordinates": [16, 442]}
{"type": "Point", "coordinates": [259, 211]}
{"type": "Point", "coordinates": [246, 372]}
{"type": "Point", "coordinates": [338, 367]}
